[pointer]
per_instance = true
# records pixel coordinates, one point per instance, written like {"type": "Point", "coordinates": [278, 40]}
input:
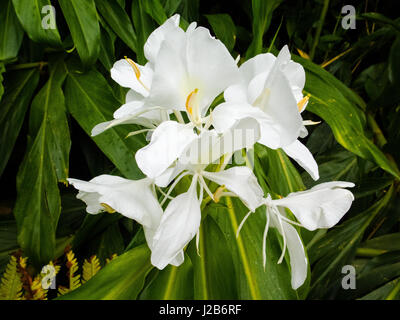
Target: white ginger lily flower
{"type": "Point", "coordinates": [271, 92]}
{"type": "Point", "coordinates": [191, 70]}
{"type": "Point", "coordinates": [321, 207]}
{"type": "Point", "coordinates": [138, 79]}
{"type": "Point", "coordinates": [133, 199]}
{"type": "Point", "coordinates": [181, 219]}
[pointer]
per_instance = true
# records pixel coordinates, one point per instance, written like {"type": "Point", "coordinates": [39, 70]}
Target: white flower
{"type": "Point", "coordinates": [320, 207]}
{"type": "Point", "coordinates": [191, 70]}
{"type": "Point", "coordinates": [138, 79]}
{"type": "Point", "coordinates": [132, 198]}
{"type": "Point", "coordinates": [181, 219]}
{"type": "Point", "coordinates": [271, 91]}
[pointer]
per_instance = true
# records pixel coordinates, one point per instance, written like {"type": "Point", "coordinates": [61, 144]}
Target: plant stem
{"type": "Point", "coordinates": [319, 28]}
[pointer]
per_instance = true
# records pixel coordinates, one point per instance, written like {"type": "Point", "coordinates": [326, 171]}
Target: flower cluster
{"type": "Point", "coordinates": [171, 97]}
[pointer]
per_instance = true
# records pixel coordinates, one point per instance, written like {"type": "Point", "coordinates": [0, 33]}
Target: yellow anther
{"type": "Point", "coordinates": [302, 103]}
{"type": "Point", "coordinates": [107, 207]}
{"type": "Point", "coordinates": [190, 100]}
{"type": "Point", "coordinates": [134, 66]}
{"type": "Point", "coordinates": [218, 193]}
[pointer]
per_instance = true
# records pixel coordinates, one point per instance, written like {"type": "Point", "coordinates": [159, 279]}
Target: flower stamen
{"type": "Point", "coordinates": [302, 103]}
{"type": "Point", "coordinates": [137, 71]}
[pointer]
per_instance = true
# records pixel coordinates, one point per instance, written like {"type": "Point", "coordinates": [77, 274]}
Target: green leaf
{"type": "Point", "coordinates": [144, 25]}
{"type": "Point", "coordinates": [81, 17]}
{"type": "Point", "coordinates": [224, 28]}
{"type": "Point", "coordinates": [171, 283]}
{"type": "Point", "coordinates": [91, 101]}
{"type": "Point", "coordinates": [122, 278]}
{"type": "Point", "coordinates": [11, 32]}
{"type": "Point", "coordinates": [341, 108]}
{"type": "Point", "coordinates": [262, 15]}
{"type": "Point", "coordinates": [252, 281]}
{"type": "Point", "coordinates": [213, 265]}
{"type": "Point", "coordinates": [30, 16]}
{"type": "Point", "coordinates": [337, 248]}
{"type": "Point", "coordinates": [155, 9]}
{"type": "Point", "coordinates": [38, 204]}
{"type": "Point", "coordinates": [274, 168]}
{"type": "Point", "coordinates": [19, 89]}
{"type": "Point", "coordinates": [119, 21]}
{"type": "Point", "coordinates": [107, 54]}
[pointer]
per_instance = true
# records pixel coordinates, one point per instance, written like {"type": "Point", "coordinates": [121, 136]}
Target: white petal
{"type": "Point", "coordinates": [179, 224]}
{"type": "Point", "coordinates": [167, 143]}
{"type": "Point", "coordinates": [320, 207]}
{"type": "Point", "coordinates": [170, 84]}
{"type": "Point", "coordinates": [298, 260]}
{"type": "Point", "coordinates": [131, 198]}
{"type": "Point", "coordinates": [103, 126]}
{"type": "Point", "coordinates": [236, 93]}
{"type": "Point", "coordinates": [123, 73]}
{"type": "Point", "coordinates": [209, 146]}
{"type": "Point", "coordinates": [259, 64]}
{"type": "Point", "coordinates": [225, 115]}
{"type": "Point", "coordinates": [169, 174]}
{"type": "Point", "coordinates": [129, 108]}
{"type": "Point", "coordinates": [189, 61]}
{"type": "Point", "coordinates": [155, 39]}
{"type": "Point", "coordinates": [299, 152]}
{"type": "Point", "coordinates": [210, 65]}
{"type": "Point", "coordinates": [242, 182]}
{"type": "Point", "coordinates": [279, 104]}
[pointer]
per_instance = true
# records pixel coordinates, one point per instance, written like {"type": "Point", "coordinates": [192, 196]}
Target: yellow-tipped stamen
{"type": "Point", "coordinates": [190, 101]}
{"type": "Point", "coordinates": [134, 66]}
{"type": "Point", "coordinates": [136, 70]}
{"type": "Point", "coordinates": [107, 208]}
{"type": "Point", "coordinates": [302, 103]}
{"type": "Point", "coordinates": [218, 193]}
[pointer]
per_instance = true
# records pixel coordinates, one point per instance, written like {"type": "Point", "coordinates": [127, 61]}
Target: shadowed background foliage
{"type": "Point", "coordinates": [55, 86]}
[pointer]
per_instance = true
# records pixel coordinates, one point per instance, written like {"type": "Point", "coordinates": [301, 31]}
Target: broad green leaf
{"type": "Point", "coordinates": [336, 165]}
{"type": "Point", "coordinates": [224, 28]}
{"type": "Point", "coordinates": [122, 278]}
{"type": "Point", "coordinates": [91, 101]}
{"type": "Point", "coordinates": [19, 89]}
{"type": "Point", "coordinates": [276, 170]}
{"type": "Point", "coordinates": [118, 20]}
{"type": "Point", "coordinates": [82, 21]}
{"type": "Point", "coordinates": [11, 32]}
{"type": "Point", "coordinates": [144, 25]}
{"type": "Point", "coordinates": [107, 54]}
{"type": "Point", "coordinates": [171, 283]}
{"type": "Point", "coordinates": [337, 249]}
{"type": "Point", "coordinates": [38, 206]}
{"type": "Point", "coordinates": [387, 242]}
{"type": "Point", "coordinates": [31, 17]}
{"type": "Point", "coordinates": [213, 265]}
{"type": "Point", "coordinates": [252, 280]}
{"type": "Point", "coordinates": [155, 9]}
{"type": "Point", "coordinates": [341, 109]}
{"type": "Point", "coordinates": [262, 15]}
{"type": "Point", "coordinates": [171, 6]}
